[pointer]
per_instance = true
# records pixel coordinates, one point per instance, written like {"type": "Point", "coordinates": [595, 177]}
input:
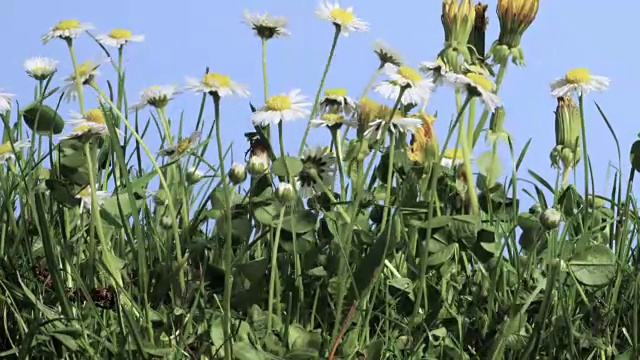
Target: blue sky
{"type": "Point", "coordinates": [182, 38]}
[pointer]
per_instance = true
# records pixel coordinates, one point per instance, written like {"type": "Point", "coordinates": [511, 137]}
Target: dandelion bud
{"type": "Point", "coordinates": [568, 132]}
{"type": "Point", "coordinates": [257, 165]}
{"type": "Point", "coordinates": [496, 126]}
{"type": "Point", "coordinates": [477, 37]}
{"type": "Point", "coordinates": [237, 174]}
{"type": "Point", "coordinates": [595, 202]}
{"type": "Point", "coordinates": [285, 193]}
{"type": "Point", "coordinates": [550, 219]}
{"type": "Point", "coordinates": [515, 17]}
{"type": "Point", "coordinates": [193, 176]}
{"type": "Point", "coordinates": [458, 17]}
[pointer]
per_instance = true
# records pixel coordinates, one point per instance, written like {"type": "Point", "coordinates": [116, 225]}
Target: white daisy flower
{"type": "Point", "coordinates": [5, 102]}
{"type": "Point", "coordinates": [216, 83]}
{"type": "Point", "coordinates": [87, 71]}
{"type": "Point", "coordinates": [417, 89]}
{"type": "Point", "coordinates": [397, 125]}
{"type": "Point", "coordinates": [266, 26]}
{"type": "Point", "coordinates": [8, 152]}
{"type": "Point", "coordinates": [452, 157]}
{"type": "Point", "coordinates": [282, 107]}
{"type": "Point", "coordinates": [386, 54]}
{"type": "Point", "coordinates": [40, 68]}
{"type": "Point", "coordinates": [91, 124]}
{"type": "Point", "coordinates": [157, 96]}
{"type": "Point", "coordinates": [579, 80]}
{"type": "Point", "coordinates": [118, 38]}
{"type": "Point", "coordinates": [66, 29]}
{"type": "Point", "coordinates": [344, 18]}
{"type": "Point", "coordinates": [476, 85]}
{"type": "Point", "coordinates": [322, 163]}
{"type": "Point", "coordinates": [182, 146]}
{"type": "Point", "coordinates": [85, 198]}
{"type": "Point", "coordinates": [336, 100]}
{"type": "Point", "coordinates": [333, 121]}
{"type": "Point", "coordinates": [435, 70]}
{"type": "Point", "coordinates": [466, 68]}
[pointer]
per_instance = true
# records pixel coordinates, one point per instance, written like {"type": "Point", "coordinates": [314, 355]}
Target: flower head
{"type": "Point", "coordinates": [515, 17]}
{"type": "Point", "coordinates": [416, 88]}
{"type": "Point", "coordinates": [40, 68]}
{"type": "Point", "coordinates": [579, 80]}
{"type": "Point", "coordinates": [398, 124]}
{"type": "Point", "coordinates": [386, 54]}
{"type": "Point", "coordinates": [336, 100]}
{"type": "Point", "coordinates": [89, 125]}
{"type": "Point", "coordinates": [266, 26]}
{"type": "Point", "coordinates": [216, 83]}
{"type": "Point", "coordinates": [452, 157]}
{"type": "Point", "coordinates": [476, 85]}
{"type": "Point", "coordinates": [318, 164]}
{"type": "Point", "coordinates": [435, 70]}
{"type": "Point", "coordinates": [157, 96]}
{"type": "Point", "coordinates": [333, 121]}
{"type": "Point", "coordinates": [5, 102]}
{"type": "Point", "coordinates": [118, 38]}
{"type": "Point", "coordinates": [423, 144]}
{"type": "Point", "coordinates": [458, 17]}
{"type": "Point", "coordinates": [343, 18]}
{"type": "Point", "coordinates": [193, 176]}
{"type": "Point", "coordinates": [84, 196]}
{"type": "Point", "coordinates": [282, 107]}
{"type": "Point", "coordinates": [67, 30]}
{"type": "Point", "coordinates": [87, 71]}
{"type": "Point", "coordinates": [285, 193]}
{"type": "Point", "coordinates": [9, 152]}
{"type": "Point", "coordinates": [181, 147]}
{"type": "Point", "coordinates": [568, 126]}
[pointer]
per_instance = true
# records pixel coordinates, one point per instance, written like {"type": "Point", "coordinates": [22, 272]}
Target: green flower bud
{"type": "Point", "coordinates": [285, 193]}
{"type": "Point", "coordinates": [257, 165]}
{"type": "Point", "coordinates": [166, 222]}
{"type": "Point", "coordinates": [237, 174]}
{"type": "Point", "coordinates": [193, 176]}
{"type": "Point", "coordinates": [550, 219]}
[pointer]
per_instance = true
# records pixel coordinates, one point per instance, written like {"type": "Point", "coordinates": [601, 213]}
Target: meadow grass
{"type": "Point", "coordinates": [391, 242]}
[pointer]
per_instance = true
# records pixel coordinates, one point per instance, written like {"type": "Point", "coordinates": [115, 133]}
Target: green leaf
{"type": "Point", "coordinates": [464, 228]}
{"type": "Point", "coordinates": [61, 192]}
{"type": "Point", "coordinates": [442, 256]}
{"type": "Point", "coordinates": [254, 270]}
{"type": "Point", "coordinates": [374, 349]}
{"type": "Point", "coordinates": [527, 221]}
{"type": "Point", "coordinates": [265, 214]}
{"type": "Point", "coordinates": [301, 339]}
{"type": "Point", "coordinates": [594, 266]}
{"type": "Point", "coordinates": [243, 350]}
{"type": "Point", "coordinates": [293, 164]}
{"type": "Point", "coordinates": [404, 285]}
{"type": "Point", "coordinates": [47, 119]}
{"type": "Point", "coordinates": [302, 221]}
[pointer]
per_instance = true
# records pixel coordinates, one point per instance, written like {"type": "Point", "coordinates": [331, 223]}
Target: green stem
{"type": "Point", "coordinates": [365, 92]}
{"type": "Point", "coordinates": [335, 134]}
{"type": "Point", "coordinates": [76, 75]}
{"type": "Point", "coordinates": [584, 149]}
{"type": "Point", "coordinates": [274, 271]}
{"type": "Point", "coordinates": [336, 35]}
{"type": "Point", "coordinates": [265, 81]}
{"type": "Point", "coordinates": [485, 114]}
{"type": "Point", "coordinates": [228, 249]}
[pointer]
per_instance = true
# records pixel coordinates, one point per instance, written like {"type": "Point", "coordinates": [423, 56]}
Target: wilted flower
{"type": "Point", "coordinates": [67, 30]}
{"type": "Point", "coordinates": [237, 173]}
{"type": "Point", "coordinates": [416, 88]}
{"type": "Point", "coordinates": [478, 32]}
{"type": "Point", "coordinates": [85, 198]}
{"type": "Point", "coordinates": [398, 124]}
{"type": "Point", "coordinates": [423, 144]}
{"type": "Point", "coordinates": [118, 38]}
{"type": "Point", "coordinates": [282, 107]}
{"type": "Point", "coordinates": [579, 80]}
{"type": "Point", "coordinates": [5, 102]}
{"type": "Point", "coordinates": [9, 152]}
{"type": "Point", "coordinates": [343, 18]}
{"type": "Point", "coordinates": [317, 163]}
{"type": "Point", "coordinates": [40, 68]}
{"type": "Point", "coordinates": [476, 85]}
{"type": "Point", "coordinates": [216, 83]}
{"type": "Point", "coordinates": [157, 96]}
{"type": "Point", "coordinates": [368, 111]}
{"type": "Point", "coordinates": [87, 71]}
{"type": "Point", "coordinates": [181, 147]}
{"type": "Point", "coordinates": [386, 54]}
{"type": "Point", "coordinates": [435, 70]}
{"type": "Point", "coordinates": [266, 26]}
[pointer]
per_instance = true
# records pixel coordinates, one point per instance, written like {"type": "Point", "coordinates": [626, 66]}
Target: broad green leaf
{"type": "Point", "coordinates": [265, 214]}
{"type": "Point", "coordinates": [42, 119]}
{"type": "Point", "coordinates": [403, 284]}
{"type": "Point", "coordinates": [293, 165]}
{"type": "Point", "coordinates": [61, 192]}
{"type": "Point", "coordinates": [302, 221]}
{"type": "Point", "coordinates": [374, 349]}
{"type": "Point", "coordinates": [464, 228]}
{"type": "Point", "coordinates": [442, 256]}
{"type": "Point", "coordinates": [301, 339]}
{"type": "Point", "coordinates": [243, 350]}
{"type": "Point", "coordinates": [594, 266]}
{"type": "Point", "coordinates": [254, 270]}
{"type": "Point", "coordinates": [527, 221]}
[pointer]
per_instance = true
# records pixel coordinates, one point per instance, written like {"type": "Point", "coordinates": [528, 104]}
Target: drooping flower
{"type": "Point", "coordinates": [9, 152]}
{"type": "Point", "coordinates": [87, 71]}
{"type": "Point", "coordinates": [398, 124]}
{"type": "Point", "coordinates": [476, 85]}
{"type": "Point", "coordinates": [344, 18]}
{"type": "Point", "coordinates": [66, 30]}
{"type": "Point", "coordinates": [5, 102]}
{"type": "Point", "coordinates": [333, 121]}
{"type": "Point", "coordinates": [84, 196]}
{"type": "Point", "coordinates": [579, 80]}
{"type": "Point", "coordinates": [181, 147]}
{"type": "Point", "coordinates": [266, 26]}
{"type": "Point", "coordinates": [282, 107]}
{"type": "Point", "coordinates": [437, 70]}
{"type": "Point", "coordinates": [416, 88]}
{"type": "Point", "coordinates": [386, 54]}
{"type": "Point", "coordinates": [40, 68]}
{"type": "Point", "coordinates": [118, 38]}
{"type": "Point", "coordinates": [89, 125]}
{"type": "Point", "coordinates": [216, 83]}
{"type": "Point", "coordinates": [157, 96]}
{"type": "Point", "coordinates": [318, 163]}
{"type": "Point", "coordinates": [336, 101]}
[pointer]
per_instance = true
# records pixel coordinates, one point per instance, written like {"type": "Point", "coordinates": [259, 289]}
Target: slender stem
{"type": "Point", "coordinates": [274, 271]}
{"type": "Point", "coordinates": [120, 79]}
{"type": "Point", "coordinates": [76, 72]}
{"type": "Point", "coordinates": [324, 76]}
{"type": "Point", "coordinates": [228, 249]}
{"type": "Point", "coordinates": [584, 148]}
{"type": "Point", "coordinates": [485, 114]}
{"type": "Point", "coordinates": [265, 80]}
{"type": "Point", "coordinates": [335, 134]}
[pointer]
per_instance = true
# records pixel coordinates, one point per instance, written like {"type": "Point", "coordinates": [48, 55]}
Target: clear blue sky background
{"type": "Point", "coordinates": [183, 37]}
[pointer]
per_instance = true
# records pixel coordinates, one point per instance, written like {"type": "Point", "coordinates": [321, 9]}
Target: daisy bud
{"type": "Point", "coordinates": [595, 202]}
{"type": "Point", "coordinates": [257, 165]}
{"type": "Point", "coordinates": [550, 219]}
{"type": "Point", "coordinates": [166, 222]}
{"type": "Point", "coordinates": [480, 23]}
{"type": "Point", "coordinates": [285, 193]}
{"type": "Point", "coordinates": [515, 17]}
{"type": "Point", "coordinates": [237, 174]}
{"type": "Point", "coordinates": [193, 176]}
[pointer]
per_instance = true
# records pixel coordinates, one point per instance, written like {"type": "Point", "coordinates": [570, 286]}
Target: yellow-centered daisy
{"type": "Point", "coordinates": [317, 164]}
{"type": "Point", "coordinates": [84, 196]}
{"type": "Point", "coordinates": [386, 55]}
{"type": "Point", "coordinates": [40, 68]}
{"type": "Point", "coordinates": [9, 152]}
{"type": "Point", "coordinates": [118, 38]}
{"type": "Point", "coordinates": [476, 85]}
{"type": "Point", "coordinates": [157, 96]}
{"type": "Point", "coordinates": [216, 83]}
{"type": "Point", "coordinates": [579, 80]}
{"type": "Point", "coordinates": [417, 89]}
{"type": "Point", "coordinates": [182, 146]}
{"type": "Point", "coordinates": [452, 157]}
{"type": "Point", "coordinates": [344, 18]}
{"type": "Point", "coordinates": [87, 71]}
{"type": "Point", "coordinates": [437, 70]}
{"type": "Point", "coordinates": [66, 30]}
{"type": "Point", "coordinates": [398, 124]}
{"type": "Point", "coordinates": [91, 124]}
{"type": "Point", "coordinates": [336, 100]}
{"type": "Point", "coordinates": [282, 107]}
{"type": "Point", "coordinates": [266, 26]}
{"type": "Point", "coordinates": [5, 102]}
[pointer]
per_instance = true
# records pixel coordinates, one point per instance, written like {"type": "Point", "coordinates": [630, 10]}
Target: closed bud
{"type": "Point", "coordinates": [496, 127]}
{"type": "Point", "coordinates": [478, 32]}
{"type": "Point", "coordinates": [237, 174]}
{"type": "Point", "coordinates": [166, 222]}
{"type": "Point", "coordinates": [515, 17]}
{"type": "Point", "coordinates": [193, 176]}
{"type": "Point", "coordinates": [257, 165]}
{"type": "Point", "coordinates": [458, 18]}
{"type": "Point", "coordinates": [285, 193]}
{"type": "Point", "coordinates": [550, 219]}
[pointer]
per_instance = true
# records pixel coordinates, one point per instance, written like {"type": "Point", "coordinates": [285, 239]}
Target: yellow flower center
{"type": "Point", "coordinates": [216, 80]}
{"type": "Point", "coordinates": [85, 69]}
{"type": "Point", "coordinates": [5, 148]}
{"type": "Point", "coordinates": [332, 118]}
{"type": "Point", "coordinates": [120, 34]}
{"type": "Point", "coordinates": [409, 74]}
{"type": "Point", "coordinates": [183, 146]}
{"type": "Point", "coordinates": [342, 16]}
{"type": "Point", "coordinates": [81, 129]}
{"type": "Point", "coordinates": [85, 193]}
{"type": "Point", "coordinates": [481, 81]}
{"type": "Point", "coordinates": [578, 76]}
{"type": "Point", "coordinates": [336, 92]}
{"type": "Point", "coordinates": [67, 25]}
{"type": "Point", "coordinates": [279, 102]}
{"type": "Point", "coordinates": [95, 116]}
{"type": "Point", "coordinates": [449, 154]}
